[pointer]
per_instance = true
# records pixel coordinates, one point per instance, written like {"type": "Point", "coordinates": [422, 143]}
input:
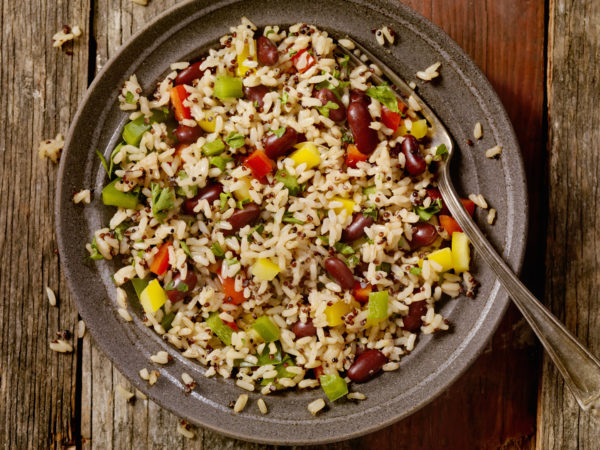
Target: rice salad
{"type": "Point", "coordinates": [278, 216]}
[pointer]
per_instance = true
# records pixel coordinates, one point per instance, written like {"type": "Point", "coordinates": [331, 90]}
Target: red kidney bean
{"type": "Point", "coordinates": [434, 194]}
{"type": "Point", "coordinates": [179, 292]}
{"type": "Point", "coordinates": [256, 93]}
{"type": "Point", "coordinates": [359, 96]}
{"type": "Point", "coordinates": [187, 135]}
{"type": "Point", "coordinates": [423, 234]}
{"type": "Point", "coordinates": [303, 329]}
{"type": "Point", "coordinates": [412, 322]}
{"type": "Point", "coordinates": [209, 193]}
{"type": "Point", "coordinates": [242, 217]}
{"type": "Point", "coordinates": [366, 365]}
{"type": "Point", "coordinates": [359, 120]}
{"type": "Point", "coordinates": [415, 163]}
{"type": "Point", "coordinates": [267, 51]}
{"type": "Point", "coordinates": [278, 146]}
{"type": "Point", "coordinates": [357, 228]}
{"type": "Point", "coordinates": [340, 272]}
{"type": "Point", "coordinates": [325, 95]}
{"type": "Point", "coordinates": [189, 74]}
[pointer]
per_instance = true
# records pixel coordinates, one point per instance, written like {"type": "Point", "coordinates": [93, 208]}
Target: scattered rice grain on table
{"type": "Point", "coordinates": [161, 357]}
{"type": "Point", "coordinates": [51, 296]}
{"type": "Point", "coordinates": [51, 148]}
{"type": "Point", "coordinates": [316, 406]}
{"type": "Point", "coordinates": [83, 196]}
{"type": "Point", "coordinates": [356, 396]}
{"type": "Point", "coordinates": [265, 235]}
{"type": "Point", "coordinates": [124, 393]}
{"type": "Point", "coordinates": [491, 217]}
{"type": "Point", "coordinates": [80, 329]}
{"type": "Point", "coordinates": [61, 346]}
{"type": "Point", "coordinates": [478, 200]}
{"type": "Point", "coordinates": [430, 73]}
{"type": "Point", "coordinates": [65, 35]}
{"type": "Point", "coordinates": [184, 428]}
{"type": "Point", "coordinates": [262, 406]}
{"type": "Point", "coordinates": [384, 36]}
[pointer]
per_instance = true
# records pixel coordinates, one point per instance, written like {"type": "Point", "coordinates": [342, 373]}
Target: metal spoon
{"type": "Point", "coordinates": [579, 368]}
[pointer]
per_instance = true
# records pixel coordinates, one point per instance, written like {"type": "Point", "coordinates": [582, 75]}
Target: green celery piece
{"type": "Point", "coordinates": [134, 130]}
{"type": "Point", "coordinates": [289, 181]}
{"type": "Point", "coordinates": [369, 190]}
{"type": "Point", "coordinates": [265, 358]}
{"type": "Point", "coordinates": [139, 284]}
{"type": "Point", "coordinates": [228, 87]}
{"type": "Point", "coordinates": [213, 148]}
{"type": "Point", "coordinates": [266, 328]}
{"type": "Point", "coordinates": [378, 306]}
{"type": "Point", "coordinates": [219, 328]}
{"type": "Point", "coordinates": [167, 321]}
{"type": "Point", "coordinates": [334, 386]}
{"type": "Point", "coordinates": [111, 196]}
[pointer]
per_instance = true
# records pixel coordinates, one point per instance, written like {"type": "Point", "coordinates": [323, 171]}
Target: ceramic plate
{"type": "Point", "coordinates": [461, 97]}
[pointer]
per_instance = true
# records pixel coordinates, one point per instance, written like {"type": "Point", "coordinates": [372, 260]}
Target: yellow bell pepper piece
{"type": "Point", "coordinates": [335, 312]}
{"type": "Point", "coordinates": [243, 192]}
{"type": "Point", "coordinates": [443, 257]}
{"type": "Point", "coordinates": [419, 128]}
{"type": "Point", "coordinates": [153, 297]}
{"type": "Point", "coordinates": [347, 205]}
{"type": "Point", "coordinates": [209, 123]}
{"type": "Point", "coordinates": [242, 70]}
{"type": "Point", "coordinates": [461, 254]}
{"type": "Point", "coordinates": [265, 270]}
{"type": "Point", "coordinates": [308, 153]}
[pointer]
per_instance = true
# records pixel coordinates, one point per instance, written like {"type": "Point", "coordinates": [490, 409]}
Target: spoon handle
{"type": "Point", "coordinates": [579, 368]}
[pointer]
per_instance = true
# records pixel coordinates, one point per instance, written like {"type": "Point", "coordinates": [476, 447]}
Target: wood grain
{"type": "Point", "coordinates": [48, 400]}
{"type": "Point", "coordinates": [573, 256]}
{"type": "Point", "coordinates": [41, 87]}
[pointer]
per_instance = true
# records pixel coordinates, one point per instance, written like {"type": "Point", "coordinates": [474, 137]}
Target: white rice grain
{"type": "Point", "coordinates": [61, 346]}
{"type": "Point", "coordinates": [477, 131]}
{"type": "Point", "coordinates": [493, 152]}
{"type": "Point", "coordinates": [240, 403]}
{"type": "Point", "coordinates": [83, 196]}
{"type": "Point", "coordinates": [491, 217]}
{"type": "Point", "coordinates": [124, 393]}
{"type": "Point", "coordinates": [478, 200]}
{"type": "Point", "coordinates": [316, 406]}
{"type": "Point", "coordinates": [51, 296]}
{"type": "Point", "coordinates": [161, 357]}
{"type": "Point", "coordinates": [262, 406]}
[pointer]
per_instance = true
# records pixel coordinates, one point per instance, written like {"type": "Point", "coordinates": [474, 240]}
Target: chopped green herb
{"type": "Point", "coordinates": [337, 90]}
{"type": "Point", "coordinates": [280, 132]}
{"type": "Point", "coordinates": [289, 181]}
{"type": "Point", "coordinates": [217, 250]}
{"type": "Point", "coordinates": [324, 110]}
{"type": "Point", "coordinates": [240, 203]}
{"type": "Point", "coordinates": [232, 261]}
{"type": "Point", "coordinates": [269, 32]}
{"type": "Point", "coordinates": [183, 287]}
{"type": "Point", "coordinates": [336, 73]}
{"type": "Point", "coordinates": [292, 53]}
{"type": "Point", "coordinates": [384, 266]}
{"type": "Point", "coordinates": [120, 229]}
{"type": "Point", "coordinates": [427, 213]}
{"type": "Point", "coordinates": [369, 190]}
{"type": "Point", "coordinates": [347, 138]}
{"type": "Point", "coordinates": [284, 98]}
{"type": "Point", "coordinates": [95, 255]}
{"type": "Point", "coordinates": [163, 199]}
{"type": "Point", "coordinates": [344, 249]}
{"type": "Point", "coordinates": [213, 148]}
{"type": "Point", "coordinates": [219, 162]}
{"type": "Point", "coordinates": [129, 98]}
{"type": "Point", "coordinates": [224, 197]}
{"type": "Point", "coordinates": [324, 239]}
{"type": "Point", "coordinates": [352, 261]}
{"type": "Point", "coordinates": [441, 150]}
{"type": "Point", "coordinates": [185, 248]}
{"type": "Point", "coordinates": [344, 61]}
{"type": "Point", "coordinates": [385, 96]}
{"type": "Point", "coordinates": [288, 217]}
{"type": "Point", "coordinates": [371, 211]}
{"type": "Point", "coordinates": [102, 160]}
{"type": "Point", "coordinates": [235, 140]}
{"type": "Point", "coordinates": [258, 229]}
{"type": "Point", "coordinates": [415, 270]}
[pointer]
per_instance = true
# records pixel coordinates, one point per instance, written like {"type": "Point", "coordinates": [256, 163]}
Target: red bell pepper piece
{"type": "Point", "coordinates": [160, 264]}
{"type": "Point", "coordinates": [259, 163]}
{"type": "Point", "coordinates": [303, 61]}
{"type": "Point", "coordinates": [178, 95]}
{"type": "Point", "coordinates": [318, 372]}
{"type": "Point", "coordinates": [469, 205]}
{"type": "Point", "coordinates": [232, 325]}
{"type": "Point", "coordinates": [361, 292]}
{"type": "Point", "coordinates": [231, 295]}
{"type": "Point", "coordinates": [392, 119]}
{"type": "Point", "coordinates": [449, 224]}
{"type": "Point", "coordinates": [354, 156]}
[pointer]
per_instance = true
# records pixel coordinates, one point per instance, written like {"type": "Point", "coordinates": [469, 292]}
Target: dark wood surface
{"type": "Point", "coordinates": [50, 400]}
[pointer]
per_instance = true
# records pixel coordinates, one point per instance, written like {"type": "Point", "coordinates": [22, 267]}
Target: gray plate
{"type": "Point", "coordinates": [461, 97]}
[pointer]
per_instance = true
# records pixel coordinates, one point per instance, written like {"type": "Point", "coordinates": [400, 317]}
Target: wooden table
{"type": "Point", "coordinates": [544, 61]}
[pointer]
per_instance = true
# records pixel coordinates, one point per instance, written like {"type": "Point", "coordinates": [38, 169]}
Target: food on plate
{"type": "Point", "coordinates": [278, 217]}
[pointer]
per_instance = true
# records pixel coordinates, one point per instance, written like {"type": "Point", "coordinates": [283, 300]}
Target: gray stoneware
{"type": "Point", "coordinates": [461, 97]}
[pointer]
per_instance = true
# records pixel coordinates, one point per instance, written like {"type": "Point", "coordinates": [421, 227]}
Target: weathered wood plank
{"type": "Point", "coordinates": [573, 256]}
{"type": "Point", "coordinates": [41, 87]}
